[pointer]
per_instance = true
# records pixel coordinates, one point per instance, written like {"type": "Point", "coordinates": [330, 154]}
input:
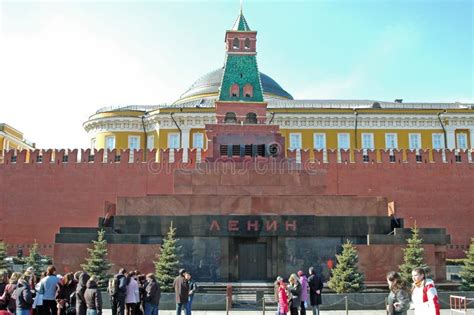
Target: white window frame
{"type": "Point", "coordinates": [93, 141]}
{"type": "Point", "coordinates": [298, 145]}
{"type": "Point", "coordinates": [441, 141]}
{"type": "Point", "coordinates": [371, 146]}
{"type": "Point", "coordinates": [170, 136]}
{"type": "Point", "coordinates": [411, 144]}
{"type": "Point", "coordinates": [196, 136]}
{"type": "Point", "coordinates": [150, 142]}
{"type": "Point", "coordinates": [107, 138]}
{"type": "Point", "coordinates": [130, 138]}
{"type": "Point", "coordinates": [459, 136]}
{"type": "Point", "coordinates": [339, 140]}
{"type": "Point", "coordinates": [323, 136]}
{"type": "Point", "coordinates": [395, 138]}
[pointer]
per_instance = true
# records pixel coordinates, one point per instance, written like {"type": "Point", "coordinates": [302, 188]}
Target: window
{"type": "Point", "coordinates": [319, 141]}
{"type": "Point", "coordinates": [230, 118]}
{"type": "Point", "coordinates": [247, 43]}
{"type": "Point", "coordinates": [343, 141]}
{"type": "Point", "coordinates": [438, 141]}
{"type": "Point", "coordinates": [391, 141]}
{"type": "Point", "coordinates": [236, 43]}
{"type": "Point", "coordinates": [134, 142]}
{"type": "Point", "coordinates": [173, 141]}
{"type": "Point", "coordinates": [461, 139]}
{"type": "Point", "coordinates": [150, 142]}
{"type": "Point", "coordinates": [198, 140]}
{"type": "Point", "coordinates": [251, 118]}
{"type": "Point", "coordinates": [92, 144]}
{"type": "Point", "coordinates": [368, 141]}
{"type": "Point", "coordinates": [414, 141]}
{"type": "Point", "coordinates": [234, 90]}
{"type": "Point", "coordinates": [248, 90]}
{"type": "Point", "coordinates": [295, 141]}
{"type": "Point", "coordinates": [110, 142]}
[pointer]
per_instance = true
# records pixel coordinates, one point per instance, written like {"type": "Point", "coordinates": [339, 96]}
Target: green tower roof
{"type": "Point", "coordinates": [241, 23]}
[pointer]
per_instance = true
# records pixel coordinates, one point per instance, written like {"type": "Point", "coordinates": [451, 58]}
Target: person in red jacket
{"type": "Point", "coordinates": [423, 294]}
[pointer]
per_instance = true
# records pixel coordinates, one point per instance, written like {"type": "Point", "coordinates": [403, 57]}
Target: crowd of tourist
{"type": "Point", "coordinates": [132, 293]}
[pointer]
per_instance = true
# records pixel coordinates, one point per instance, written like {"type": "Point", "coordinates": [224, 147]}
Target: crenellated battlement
{"type": "Point", "coordinates": [198, 156]}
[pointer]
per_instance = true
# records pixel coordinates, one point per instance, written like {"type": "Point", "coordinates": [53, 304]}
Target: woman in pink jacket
{"type": "Point", "coordinates": [282, 299]}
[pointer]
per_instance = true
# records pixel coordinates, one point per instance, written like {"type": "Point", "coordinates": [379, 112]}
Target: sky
{"type": "Point", "coordinates": [60, 61]}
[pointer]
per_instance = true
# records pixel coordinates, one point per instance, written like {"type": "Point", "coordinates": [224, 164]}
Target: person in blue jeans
{"type": "Point", "coordinates": [24, 299]}
{"type": "Point", "coordinates": [192, 291]}
{"type": "Point", "coordinates": [152, 295]}
{"type": "Point", "coordinates": [181, 290]}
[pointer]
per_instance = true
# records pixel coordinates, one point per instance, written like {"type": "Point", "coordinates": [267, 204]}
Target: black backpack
{"type": "Point", "coordinates": [113, 287]}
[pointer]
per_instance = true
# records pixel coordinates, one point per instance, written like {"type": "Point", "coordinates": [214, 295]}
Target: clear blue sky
{"type": "Point", "coordinates": [61, 61]}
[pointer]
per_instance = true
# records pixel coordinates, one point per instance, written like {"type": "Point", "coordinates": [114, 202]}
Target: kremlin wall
{"type": "Point", "coordinates": [58, 189]}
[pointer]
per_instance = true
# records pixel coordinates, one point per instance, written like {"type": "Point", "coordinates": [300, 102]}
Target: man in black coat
{"type": "Point", "coordinates": [118, 291]}
{"type": "Point", "coordinates": [315, 289]}
{"type": "Point", "coordinates": [181, 290]}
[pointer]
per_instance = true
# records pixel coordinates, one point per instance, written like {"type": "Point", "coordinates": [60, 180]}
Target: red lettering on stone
{"type": "Point", "coordinates": [291, 225]}
{"type": "Point", "coordinates": [214, 226]}
{"type": "Point", "coordinates": [252, 225]}
{"type": "Point", "coordinates": [233, 226]}
{"type": "Point", "coordinates": [271, 225]}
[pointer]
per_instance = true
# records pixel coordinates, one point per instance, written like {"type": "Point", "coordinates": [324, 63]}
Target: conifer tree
{"type": "Point", "coordinates": [467, 271]}
{"type": "Point", "coordinates": [413, 255]}
{"type": "Point", "coordinates": [35, 260]}
{"type": "Point", "coordinates": [346, 277]}
{"type": "Point", "coordinates": [97, 264]}
{"type": "Point", "coordinates": [3, 255]}
{"type": "Point", "coordinates": [166, 267]}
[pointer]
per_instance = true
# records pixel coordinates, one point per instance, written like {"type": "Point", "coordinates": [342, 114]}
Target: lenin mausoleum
{"type": "Point", "coordinates": [256, 182]}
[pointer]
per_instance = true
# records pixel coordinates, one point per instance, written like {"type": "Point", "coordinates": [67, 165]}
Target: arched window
{"type": "Point", "coordinates": [248, 90]}
{"type": "Point", "coordinates": [251, 118]}
{"type": "Point", "coordinates": [230, 118]}
{"type": "Point", "coordinates": [247, 43]}
{"type": "Point", "coordinates": [234, 90]}
{"type": "Point", "coordinates": [236, 43]}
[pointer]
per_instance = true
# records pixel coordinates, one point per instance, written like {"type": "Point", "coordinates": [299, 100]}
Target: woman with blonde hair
{"type": "Point", "coordinates": [8, 293]}
{"type": "Point", "coordinates": [295, 293]}
{"type": "Point", "coordinates": [398, 300]}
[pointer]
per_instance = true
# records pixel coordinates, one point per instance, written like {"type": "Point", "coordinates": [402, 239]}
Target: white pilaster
{"type": "Point", "coordinates": [185, 133]}
{"type": "Point", "coordinates": [471, 132]}
{"type": "Point", "coordinates": [451, 138]}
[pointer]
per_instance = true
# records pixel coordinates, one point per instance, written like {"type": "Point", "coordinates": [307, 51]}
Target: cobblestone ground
{"type": "Point", "coordinates": [238, 312]}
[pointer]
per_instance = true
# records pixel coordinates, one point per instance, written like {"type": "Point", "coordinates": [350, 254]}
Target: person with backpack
{"type": "Point", "coordinates": [118, 290]}
{"type": "Point", "coordinates": [424, 295]}
{"type": "Point", "coordinates": [398, 300]}
{"type": "Point", "coordinates": [23, 296]}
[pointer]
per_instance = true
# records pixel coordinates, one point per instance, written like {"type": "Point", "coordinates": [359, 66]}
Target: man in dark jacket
{"type": "Point", "coordinates": [80, 290]}
{"type": "Point", "coordinates": [315, 289]}
{"type": "Point", "coordinates": [118, 292]}
{"type": "Point", "coordinates": [181, 290]}
{"type": "Point", "coordinates": [93, 298]}
{"type": "Point", "coordinates": [152, 295]}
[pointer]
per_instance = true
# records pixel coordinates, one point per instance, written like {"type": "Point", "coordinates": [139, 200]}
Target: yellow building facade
{"type": "Point", "coordinates": [305, 124]}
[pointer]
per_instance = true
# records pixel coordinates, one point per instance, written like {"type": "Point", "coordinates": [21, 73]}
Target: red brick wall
{"type": "Point", "coordinates": [37, 199]}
